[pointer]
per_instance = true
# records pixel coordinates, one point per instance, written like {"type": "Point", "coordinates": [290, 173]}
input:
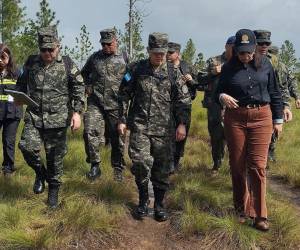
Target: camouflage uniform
{"type": "Point", "coordinates": [287, 75]}
{"type": "Point", "coordinates": [208, 83]}
{"type": "Point", "coordinates": [59, 91]}
{"type": "Point", "coordinates": [103, 75]}
{"type": "Point", "coordinates": [179, 71]}
{"type": "Point", "coordinates": [156, 101]}
{"type": "Point", "coordinates": [281, 76]}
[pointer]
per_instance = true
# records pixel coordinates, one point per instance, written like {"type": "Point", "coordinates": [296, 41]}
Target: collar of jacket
{"type": "Point", "coordinates": [57, 59]}
{"type": "Point", "coordinates": [162, 68]}
{"type": "Point", "coordinates": [101, 53]}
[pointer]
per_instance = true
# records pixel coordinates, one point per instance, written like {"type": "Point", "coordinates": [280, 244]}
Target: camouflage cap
{"type": "Point", "coordinates": [107, 35]}
{"type": "Point", "coordinates": [158, 42]}
{"type": "Point", "coordinates": [263, 36]}
{"type": "Point", "coordinates": [274, 50]}
{"type": "Point", "coordinates": [48, 37]}
{"type": "Point", "coordinates": [172, 47]}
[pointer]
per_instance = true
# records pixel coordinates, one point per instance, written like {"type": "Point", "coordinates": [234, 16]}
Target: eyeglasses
{"type": "Point", "coordinates": [44, 50]}
{"type": "Point", "coordinates": [263, 43]}
{"type": "Point", "coordinates": [106, 44]}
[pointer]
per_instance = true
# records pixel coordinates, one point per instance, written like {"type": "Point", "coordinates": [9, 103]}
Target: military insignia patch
{"type": "Point", "coordinates": [79, 78]}
{"type": "Point", "coordinates": [245, 39]}
{"type": "Point", "coordinates": [74, 71]}
{"type": "Point", "coordinates": [185, 89]}
{"type": "Point", "coordinates": [127, 77]}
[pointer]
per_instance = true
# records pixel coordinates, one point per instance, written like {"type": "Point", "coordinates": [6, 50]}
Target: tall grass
{"type": "Point", "coordinates": [88, 211]}
{"type": "Point", "coordinates": [205, 202]}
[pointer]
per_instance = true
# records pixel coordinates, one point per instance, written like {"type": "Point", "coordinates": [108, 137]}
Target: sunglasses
{"type": "Point", "coordinates": [171, 52]}
{"type": "Point", "coordinates": [264, 43]}
{"type": "Point", "coordinates": [44, 50]}
{"type": "Point", "coordinates": [106, 44]}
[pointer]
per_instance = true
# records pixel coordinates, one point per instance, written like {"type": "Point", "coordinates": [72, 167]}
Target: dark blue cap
{"type": "Point", "coordinates": [245, 41]}
{"type": "Point", "coordinates": [230, 40]}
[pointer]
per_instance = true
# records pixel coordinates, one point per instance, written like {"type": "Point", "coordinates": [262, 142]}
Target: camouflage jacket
{"type": "Point", "coordinates": [182, 69]}
{"type": "Point", "coordinates": [158, 99]}
{"type": "Point", "coordinates": [281, 73]}
{"type": "Point", "coordinates": [57, 88]}
{"type": "Point", "coordinates": [103, 75]}
{"type": "Point", "coordinates": [293, 85]}
{"type": "Point", "coordinates": [208, 82]}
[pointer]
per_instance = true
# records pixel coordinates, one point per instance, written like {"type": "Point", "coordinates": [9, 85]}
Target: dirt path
{"type": "Point", "coordinates": [148, 234]}
{"type": "Point", "coordinates": [285, 190]}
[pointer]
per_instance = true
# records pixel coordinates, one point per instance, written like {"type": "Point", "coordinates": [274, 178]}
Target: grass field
{"type": "Point", "coordinates": [90, 214]}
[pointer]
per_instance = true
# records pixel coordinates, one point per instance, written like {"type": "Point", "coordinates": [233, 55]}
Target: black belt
{"type": "Point", "coordinates": [254, 105]}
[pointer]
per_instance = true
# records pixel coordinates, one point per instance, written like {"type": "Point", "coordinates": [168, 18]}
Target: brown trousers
{"type": "Point", "coordinates": [248, 134]}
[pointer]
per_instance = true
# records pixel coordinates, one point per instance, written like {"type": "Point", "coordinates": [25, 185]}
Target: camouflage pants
{"type": "Point", "coordinates": [151, 158]}
{"type": "Point", "coordinates": [216, 132]}
{"type": "Point", "coordinates": [95, 121]}
{"type": "Point", "coordinates": [54, 142]}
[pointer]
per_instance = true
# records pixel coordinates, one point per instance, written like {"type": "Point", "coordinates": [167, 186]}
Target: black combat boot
{"type": "Point", "coordinates": [142, 209]}
{"type": "Point", "coordinates": [177, 164]}
{"type": "Point", "coordinates": [53, 196]}
{"type": "Point", "coordinates": [118, 175]}
{"type": "Point", "coordinates": [160, 213]}
{"type": "Point", "coordinates": [40, 177]}
{"type": "Point", "coordinates": [95, 172]}
{"type": "Point", "coordinates": [216, 166]}
{"type": "Point", "coordinates": [8, 170]}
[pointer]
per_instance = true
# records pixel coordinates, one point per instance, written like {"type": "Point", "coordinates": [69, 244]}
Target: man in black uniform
{"type": "Point", "coordinates": [182, 71]}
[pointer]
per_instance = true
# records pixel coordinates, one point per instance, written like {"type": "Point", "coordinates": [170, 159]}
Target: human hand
{"type": "Point", "coordinates": [229, 101]}
{"type": "Point", "coordinates": [122, 128]}
{"type": "Point", "coordinates": [75, 121]}
{"type": "Point", "coordinates": [287, 114]}
{"type": "Point", "coordinates": [180, 132]}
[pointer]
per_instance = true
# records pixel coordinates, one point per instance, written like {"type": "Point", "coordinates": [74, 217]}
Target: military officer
{"type": "Point", "coordinates": [183, 71]}
{"type": "Point", "coordinates": [208, 82]}
{"type": "Point", "coordinates": [55, 84]}
{"type": "Point", "coordinates": [103, 73]}
{"type": "Point", "coordinates": [263, 38]}
{"type": "Point", "coordinates": [158, 102]}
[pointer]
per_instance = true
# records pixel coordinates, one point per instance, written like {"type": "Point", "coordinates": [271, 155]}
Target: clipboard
{"type": "Point", "coordinates": [22, 97]}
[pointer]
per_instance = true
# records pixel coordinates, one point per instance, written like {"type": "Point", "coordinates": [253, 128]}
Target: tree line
{"type": "Point", "coordinates": [20, 33]}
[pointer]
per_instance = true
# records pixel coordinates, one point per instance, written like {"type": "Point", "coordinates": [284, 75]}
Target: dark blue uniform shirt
{"type": "Point", "coordinates": [251, 85]}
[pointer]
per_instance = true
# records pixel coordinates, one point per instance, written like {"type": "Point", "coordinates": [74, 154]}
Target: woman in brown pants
{"type": "Point", "coordinates": [253, 103]}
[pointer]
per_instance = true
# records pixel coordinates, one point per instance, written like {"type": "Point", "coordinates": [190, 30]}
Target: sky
{"type": "Point", "coordinates": [207, 22]}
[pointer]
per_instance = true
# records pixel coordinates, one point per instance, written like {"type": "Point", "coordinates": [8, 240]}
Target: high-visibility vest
{"type": "Point", "coordinates": [5, 83]}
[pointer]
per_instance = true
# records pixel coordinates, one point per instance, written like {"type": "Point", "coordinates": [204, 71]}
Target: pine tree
{"type": "Point", "coordinates": [131, 40]}
{"type": "Point", "coordinates": [287, 55]}
{"type": "Point", "coordinates": [27, 39]}
{"type": "Point", "coordinates": [82, 49]}
{"type": "Point", "coordinates": [188, 53]}
{"type": "Point", "coordinates": [11, 19]}
{"type": "Point", "coordinates": [199, 64]}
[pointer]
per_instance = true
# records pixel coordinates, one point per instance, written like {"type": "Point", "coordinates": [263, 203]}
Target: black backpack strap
{"type": "Point", "coordinates": [184, 68]}
{"type": "Point", "coordinates": [125, 56]}
{"type": "Point", "coordinates": [68, 64]}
